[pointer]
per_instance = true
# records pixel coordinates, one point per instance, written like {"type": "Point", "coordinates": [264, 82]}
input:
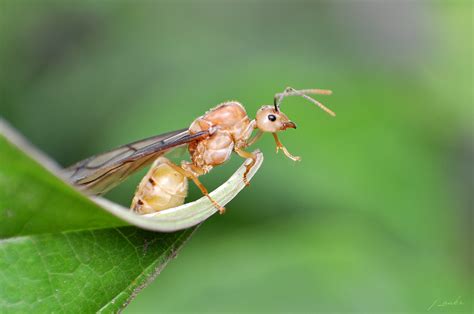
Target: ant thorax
{"type": "Point", "coordinates": [232, 128]}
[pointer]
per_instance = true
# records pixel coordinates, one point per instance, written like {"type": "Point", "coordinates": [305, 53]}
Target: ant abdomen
{"type": "Point", "coordinates": [161, 188]}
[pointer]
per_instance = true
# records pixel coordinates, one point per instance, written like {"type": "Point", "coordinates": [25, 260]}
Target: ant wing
{"type": "Point", "coordinates": [98, 174]}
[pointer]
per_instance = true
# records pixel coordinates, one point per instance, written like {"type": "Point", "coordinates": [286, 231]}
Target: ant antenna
{"type": "Point", "coordinates": [290, 91]}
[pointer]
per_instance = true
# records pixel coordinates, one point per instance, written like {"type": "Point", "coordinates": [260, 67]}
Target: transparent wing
{"type": "Point", "coordinates": [100, 173]}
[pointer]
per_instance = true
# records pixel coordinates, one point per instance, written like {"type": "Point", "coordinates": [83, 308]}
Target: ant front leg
{"type": "Point", "coordinates": [247, 155]}
{"type": "Point", "coordinates": [279, 146]}
{"type": "Point", "coordinates": [189, 174]}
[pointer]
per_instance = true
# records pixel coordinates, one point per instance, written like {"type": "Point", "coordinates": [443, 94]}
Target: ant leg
{"type": "Point", "coordinates": [247, 155]}
{"type": "Point", "coordinates": [255, 138]}
{"type": "Point", "coordinates": [279, 146]}
{"type": "Point", "coordinates": [198, 183]}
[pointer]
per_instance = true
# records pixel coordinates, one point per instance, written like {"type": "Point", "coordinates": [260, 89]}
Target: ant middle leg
{"type": "Point", "coordinates": [247, 155]}
{"type": "Point", "coordinates": [191, 175]}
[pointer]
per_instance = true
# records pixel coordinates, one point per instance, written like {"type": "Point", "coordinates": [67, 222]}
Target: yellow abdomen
{"type": "Point", "coordinates": [161, 188]}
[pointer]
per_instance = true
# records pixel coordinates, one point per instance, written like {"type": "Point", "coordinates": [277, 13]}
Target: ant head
{"type": "Point", "coordinates": [271, 119]}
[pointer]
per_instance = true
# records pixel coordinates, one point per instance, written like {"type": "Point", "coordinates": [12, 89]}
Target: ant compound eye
{"type": "Point", "coordinates": [272, 117]}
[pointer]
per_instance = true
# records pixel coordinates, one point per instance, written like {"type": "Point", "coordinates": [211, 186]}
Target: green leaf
{"type": "Point", "coordinates": [81, 271]}
{"type": "Point", "coordinates": [61, 251]}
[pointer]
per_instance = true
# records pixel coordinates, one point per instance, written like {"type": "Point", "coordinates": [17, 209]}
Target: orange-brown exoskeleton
{"type": "Point", "coordinates": [211, 139]}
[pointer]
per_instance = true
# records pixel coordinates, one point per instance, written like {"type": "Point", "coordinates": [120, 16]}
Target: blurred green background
{"type": "Point", "coordinates": [378, 215]}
